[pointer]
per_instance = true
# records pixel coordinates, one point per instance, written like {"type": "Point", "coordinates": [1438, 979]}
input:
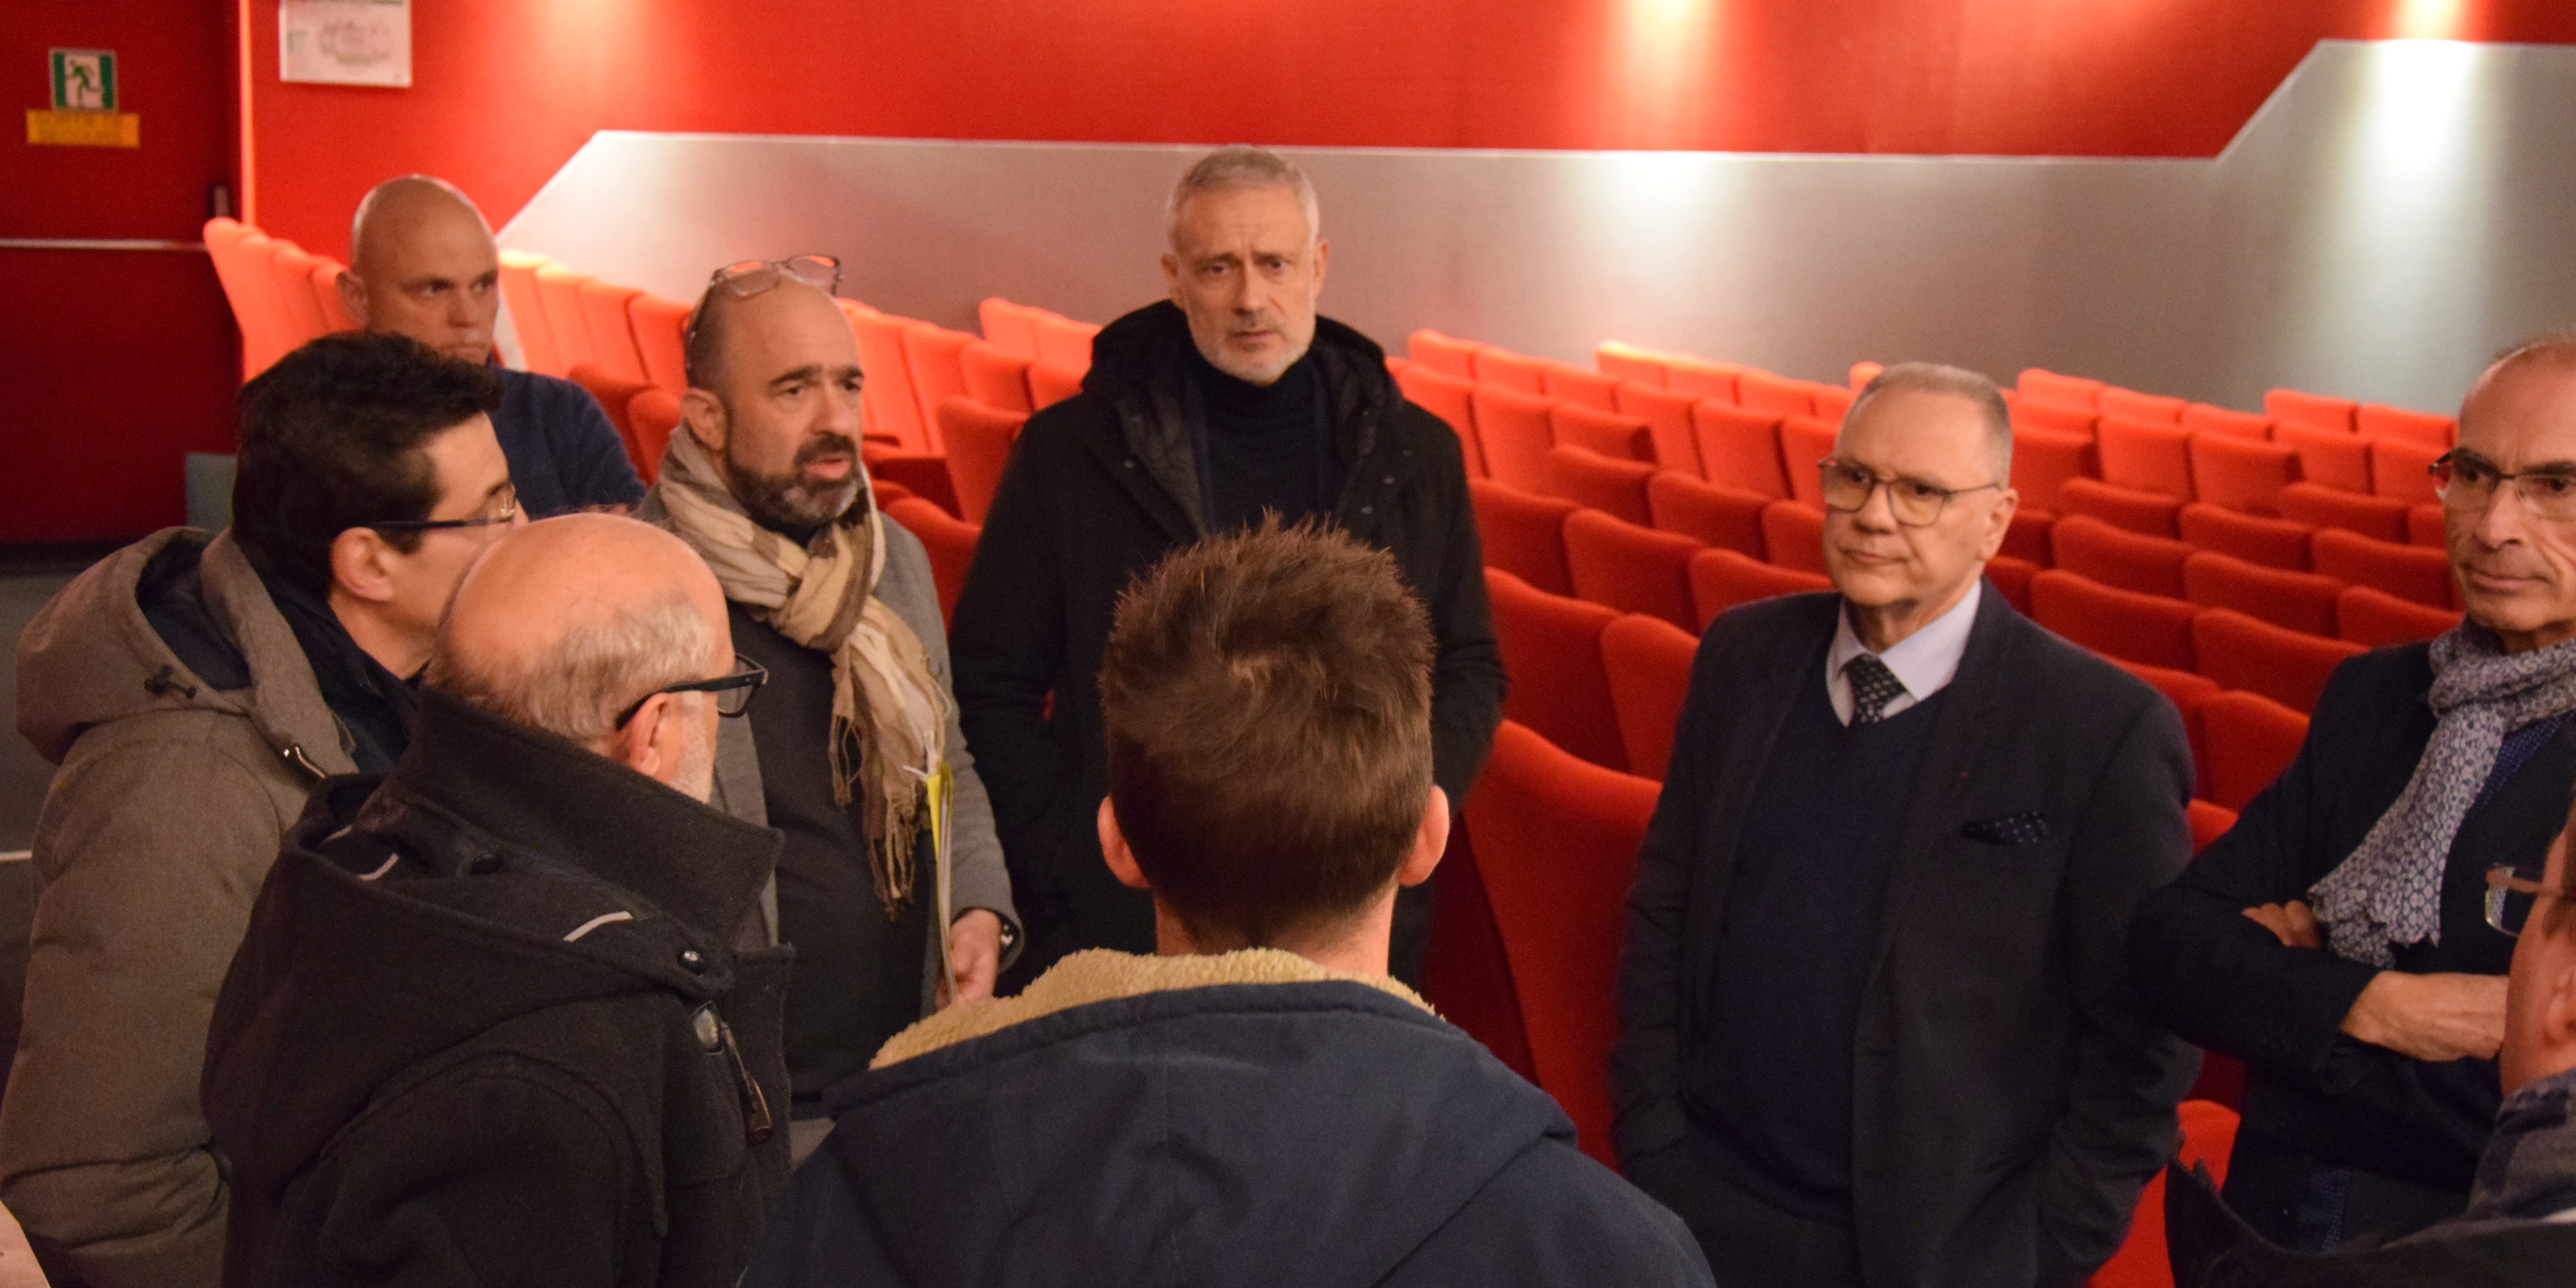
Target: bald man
{"type": "Point", "coordinates": [422, 263]}
{"type": "Point", "coordinates": [491, 1022]}
{"type": "Point", "coordinates": [890, 916]}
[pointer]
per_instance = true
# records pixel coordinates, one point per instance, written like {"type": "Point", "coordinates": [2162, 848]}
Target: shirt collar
{"type": "Point", "coordinates": [1924, 661]}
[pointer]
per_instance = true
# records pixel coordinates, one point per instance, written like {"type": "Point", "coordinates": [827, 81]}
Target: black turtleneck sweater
{"type": "Point", "coordinates": [1260, 447]}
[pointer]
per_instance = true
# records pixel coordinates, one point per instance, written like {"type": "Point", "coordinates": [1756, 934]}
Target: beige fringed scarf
{"type": "Point", "coordinates": [889, 717]}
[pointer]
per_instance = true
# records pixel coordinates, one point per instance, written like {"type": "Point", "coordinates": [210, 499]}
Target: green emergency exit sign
{"type": "Point", "coordinates": [84, 80]}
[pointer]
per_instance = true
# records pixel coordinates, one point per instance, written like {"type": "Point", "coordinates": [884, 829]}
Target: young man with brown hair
{"type": "Point", "coordinates": [1257, 1102]}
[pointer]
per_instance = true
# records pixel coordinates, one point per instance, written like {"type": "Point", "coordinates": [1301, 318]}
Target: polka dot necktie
{"type": "Point", "coordinates": [1873, 686]}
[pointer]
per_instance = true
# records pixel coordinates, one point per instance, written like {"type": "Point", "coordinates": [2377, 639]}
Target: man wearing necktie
{"type": "Point", "coordinates": [1875, 1026]}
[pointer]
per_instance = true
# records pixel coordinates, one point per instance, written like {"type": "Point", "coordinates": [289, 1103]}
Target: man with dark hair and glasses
{"type": "Point", "coordinates": [891, 886]}
{"type": "Point", "coordinates": [2334, 939]}
{"type": "Point", "coordinates": [508, 1014]}
{"type": "Point", "coordinates": [193, 687]}
{"type": "Point", "coordinates": [1874, 1021]}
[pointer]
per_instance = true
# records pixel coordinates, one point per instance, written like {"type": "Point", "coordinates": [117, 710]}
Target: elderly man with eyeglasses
{"type": "Point", "coordinates": [193, 687]}
{"type": "Point", "coordinates": [891, 887]}
{"type": "Point", "coordinates": [2334, 939]}
{"type": "Point", "coordinates": [1874, 1022]}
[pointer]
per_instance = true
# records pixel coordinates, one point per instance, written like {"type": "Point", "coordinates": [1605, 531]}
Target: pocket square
{"type": "Point", "coordinates": [2028, 827]}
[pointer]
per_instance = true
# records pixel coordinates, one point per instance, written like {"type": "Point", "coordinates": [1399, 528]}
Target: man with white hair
{"type": "Point", "coordinates": [422, 263]}
{"type": "Point", "coordinates": [1201, 414]}
{"type": "Point", "coordinates": [493, 1021]}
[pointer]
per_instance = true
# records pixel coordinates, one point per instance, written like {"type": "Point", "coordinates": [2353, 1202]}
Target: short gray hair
{"type": "Point", "coordinates": [1957, 382]}
{"type": "Point", "coordinates": [576, 689]}
{"type": "Point", "coordinates": [1241, 165]}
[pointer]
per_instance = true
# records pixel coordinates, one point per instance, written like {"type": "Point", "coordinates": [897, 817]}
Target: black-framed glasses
{"type": "Point", "coordinates": [507, 511]}
{"type": "Point", "coordinates": [1916, 503]}
{"type": "Point", "coordinates": [2511, 896]}
{"type": "Point", "coordinates": [750, 277]}
{"type": "Point", "coordinates": [732, 692]}
{"type": "Point", "coordinates": [2467, 481]}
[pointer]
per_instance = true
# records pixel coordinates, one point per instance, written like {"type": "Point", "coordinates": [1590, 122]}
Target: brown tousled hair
{"type": "Point", "coordinates": [1267, 700]}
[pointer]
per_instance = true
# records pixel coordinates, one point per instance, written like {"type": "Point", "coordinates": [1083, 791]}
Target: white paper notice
{"type": "Point", "coordinates": [344, 42]}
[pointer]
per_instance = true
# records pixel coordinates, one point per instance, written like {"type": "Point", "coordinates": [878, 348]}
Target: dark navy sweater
{"type": "Point", "coordinates": [563, 453]}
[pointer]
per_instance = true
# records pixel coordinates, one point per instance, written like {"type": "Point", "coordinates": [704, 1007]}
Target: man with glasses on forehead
{"type": "Point", "coordinates": [1874, 1021]}
{"type": "Point", "coordinates": [891, 886]}
{"type": "Point", "coordinates": [496, 1018]}
{"type": "Point", "coordinates": [2334, 939]}
{"type": "Point", "coordinates": [193, 687]}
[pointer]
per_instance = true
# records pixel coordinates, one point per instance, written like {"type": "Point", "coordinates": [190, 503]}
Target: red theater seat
{"type": "Point", "coordinates": [2129, 404]}
{"type": "Point", "coordinates": [2027, 538]}
{"type": "Point", "coordinates": [2012, 577]}
{"type": "Point", "coordinates": [1668, 423]}
{"type": "Point", "coordinates": [2116, 623]}
{"type": "Point", "coordinates": [652, 416]}
{"type": "Point", "coordinates": [979, 440]}
{"type": "Point", "coordinates": [2043, 464]}
{"type": "Point", "coordinates": [2251, 739]}
{"type": "Point", "coordinates": [1523, 533]}
{"type": "Point", "coordinates": [1630, 363]}
{"type": "Point", "coordinates": [1606, 432]}
{"type": "Point", "coordinates": [519, 294]}
{"type": "Point", "coordinates": [604, 309]}
{"type": "Point", "coordinates": [1833, 402]}
{"type": "Point", "coordinates": [1575, 385]}
{"type": "Point", "coordinates": [950, 543]}
{"type": "Point", "coordinates": [2208, 823]}
{"type": "Point", "coordinates": [1739, 449]}
{"type": "Point", "coordinates": [2052, 418]}
{"type": "Point", "coordinates": [936, 358]}
{"type": "Point", "coordinates": [2425, 526]}
{"type": "Point", "coordinates": [2037, 384]}
{"type": "Point", "coordinates": [2325, 507]}
{"type": "Point", "coordinates": [996, 377]}
{"type": "Point", "coordinates": [2299, 601]}
{"type": "Point", "coordinates": [326, 297]}
{"type": "Point", "coordinates": [1052, 383]}
{"type": "Point", "coordinates": [2375, 421]}
{"type": "Point", "coordinates": [2331, 457]}
{"type": "Point", "coordinates": [1631, 568]}
{"type": "Point", "coordinates": [1698, 378]}
{"type": "Point", "coordinates": [1862, 373]}
{"type": "Point", "coordinates": [2284, 665]}
{"type": "Point", "coordinates": [2402, 469]}
{"type": "Point", "coordinates": [2373, 618]}
{"type": "Point", "coordinates": [2116, 557]}
{"type": "Point", "coordinates": [2241, 474]}
{"type": "Point", "coordinates": [612, 395]}
{"type": "Point", "coordinates": [660, 328]}
{"type": "Point", "coordinates": [560, 288]}
{"type": "Point", "coordinates": [1514, 431]}
{"type": "Point", "coordinates": [2146, 513]}
{"type": "Point", "coordinates": [1793, 536]}
{"type": "Point", "coordinates": [293, 268]}
{"type": "Point", "coordinates": [2201, 418]}
{"type": "Point", "coordinates": [1649, 662]}
{"type": "Point", "coordinates": [1805, 440]}
{"type": "Point", "coordinates": [2185, 689]}
{"type": "Point", "coordinates": [1551, 646]}
{"type": "Point", "coordinates": [2144, 457]}
{"type": "Point", "coordinates": [241, 261]}
{"type": "Point", "coordinates": [1722, 579]}
{"type": "Point", "coordinates": [2273, 543]}
{"type": "Point", "coordinates": [1064, 342]}
{"type": "Point", "coordinates": [923, 474]}
{"type": "Point", "coordinates": [2208, 1136]}
{"type": "Point", "coordinates": [1451, 399]}
{"type": "Point", "coordinates": [1556, 842]}
{"type": "Point", "coordinates": [2310, 409]}
{"type": "Point", "coordinates": [1589, 479]}
{"type": "Point", "coordinates": [893, 412]}
{"type": "Point", "coordinates": [1760, 391]}
{"type": "Point", "coordinates": [2419, 573]}
{"type": "Point", "coordinates": [1510, 371]}
{"type": "Point", "coordinates": [1012, 328]}
{"type": "Point", "coordinates": [1726, 517]}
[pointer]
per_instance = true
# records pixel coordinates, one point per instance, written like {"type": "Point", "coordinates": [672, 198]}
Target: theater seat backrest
{"type": "Point", "coordinates": [538, 351]}
{"type": "Point", "coordinates": [2037, 384]}
{"type": "Point", "coordinates": [1575, 385]}
{"type": "Point", "coordinates": [1064, 342]}
{"type": "Point", "coordinates": [2373, 618]}
{"type": "Point", "coordinates": [1452, 400]}
{"type": "Point", "coordinates": [2327, 456]}
{"type": "Point", "coordinates": [2155, 409]}
{"type": "Point", "coordinates": [1723, 579]}
{"type": "Point", "coordinates": [2145, 457]}
{"type": "Point", "coordinates": [1608, 433]}
{"type": "Point", "coordinates": [1649, 664]}
{"type": "Point", "coordinates": [2250, 740]}
{"type": "Point", "coordinates": [935, 359]}
{"type": "Point", "coordinates": [1700, 378]}
{"type": "Point", "coordinates": [1523, 533]}
{"type": "Point", "coordinates": [1551, 647]}
{"type": "Point", "coordinates": [2043, 463]}
{"type": "Point", "coordinates": [2242, 652]}
{"type": "Point", "coordinates": [560, 288]}
{"type": "Point", "coordinates": [653, 416]}
{"type": "Point", "coordinates": [1510, 370]}
{"type": "Point", "coordinates": [1455, 358]}
{"type": "Point", "coordinates": [2052, 418]}
{"type": "Point", "coordinates": [1630, 363]}
{"type": "Point", "coordinates": [2384, 423]}
{"type": "Point", "coordinates": [2201, 418]}
{"type": "Point", "coordinates": [2323, 507]}
{"type": "Point", "coordinates": [2116, 557]}
{"type": "Point", "coordinates": [1556, 843]}
{"type": "Point", "coordinates": [2208, 1137]}
{"type": "Point", "coordinates": [2241, 474]}
{"type": "Point", "coordinates": [326, 297]}
{"type": "Point", "coordinates": [979, 441]}
{"type": "Point", "coordinates": [1706, 513]}
{"type": "Point", "coordinates": [1739, 449]}
{"type": "Point", "coordinates": [1594, 481]}
{"type": "Point", "coordinates": [605, 312]}
{"type": "Point", "coordinates": [2298, 601]}
{"type": "Point", "coordinates": [2273, 543]}
{"type": "Point", "coordinates": [1668, 424]}
{"type": "Point", "coordinates": [2419, 573]}
{"type": "Point", "coordinates": [1012, 328]}
{"type": "Point", "coordinates": [996, 377]}
{"type": "Point", "coordinates": [2149, 514]}
{"type": "Point", "coordinates": [2401, 469]}
{"type": "Point", "coordinates": [893, 410]}
{"type": "Point", "coordinates": [1804, 441]}
{"type": "Point", "coordinates": [2310, 409]}
{"type": "Point", "coordinates": [950, 543]}
{"type": "Point", "coordinates": [2117, 623]}
{"type": "Point", "coordinates": [1770, 395]}
{"type": "Point", "coordinates": [1793, 536]}
{"type": "Point", "coordinates": [240, 257]}
{"type": "Point", "coordinates": [1513, 429]}
{"type": "Point", "coordinates": [1631, 568]}
{"type": "Point", "coordinates": [661, 328]}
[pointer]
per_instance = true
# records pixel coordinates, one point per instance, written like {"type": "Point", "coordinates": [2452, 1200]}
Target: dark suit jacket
{"type": "Point", "coordinates": [2011, 1097]}
{"type": "Point", "coordinates": [2212, 1247]}
{"type": "Point", "coordinates": [2230, 985]}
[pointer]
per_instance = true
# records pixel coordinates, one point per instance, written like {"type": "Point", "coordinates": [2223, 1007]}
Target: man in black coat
{"type": "Point", "coordinates": [1257, 1102]}
{"type": "Point", "coordinates": [1199, 416]}
{"type": "Point", "coordinates": [490, 1023]}
{"type": "Point", "coordinates": [2335, 938]}
{"type": "Point", "coordinates": [1874, 1022]}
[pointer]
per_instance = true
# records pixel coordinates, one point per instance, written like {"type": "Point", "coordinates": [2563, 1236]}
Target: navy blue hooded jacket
{"type": "Point", "coordinates": [1319, 1133]}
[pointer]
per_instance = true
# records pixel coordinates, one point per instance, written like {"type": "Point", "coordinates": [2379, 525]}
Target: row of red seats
{"type": "Point", "coordinates": [282, 295]}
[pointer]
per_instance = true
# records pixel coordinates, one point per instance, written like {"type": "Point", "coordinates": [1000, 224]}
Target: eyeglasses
{"type": "Point", "coordinates": [733, 692]}
{"type": "Point", "coordinates": [2468, 481]}
{"type": "Point", "coordinates": [506, 511]}
{"type": "Point", "coordinates": [2511, 897]}
{"type": "Point", "coordinates": [1914, 502]}
{"type": "Point", "coordinates": [753, 276]}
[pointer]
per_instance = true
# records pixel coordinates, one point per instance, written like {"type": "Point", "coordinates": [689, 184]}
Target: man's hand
{"type": "Point", "coordinates": [2434, 1018]}
{"type": "Point", "coordinates": [974, 957]}
{"type": "Point", "coordinates": [2291, 922]}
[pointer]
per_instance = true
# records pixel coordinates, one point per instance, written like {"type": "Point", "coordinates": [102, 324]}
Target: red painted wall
{"type": "Point", "coordinates": [505, 90]}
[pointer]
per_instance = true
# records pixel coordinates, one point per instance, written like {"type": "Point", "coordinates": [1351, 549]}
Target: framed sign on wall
{"type": "Point", "coordinates": [345, 42]}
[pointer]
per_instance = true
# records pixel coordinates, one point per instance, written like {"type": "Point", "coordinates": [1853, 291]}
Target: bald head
{"type": "Point", "coordinates": [565, 624]}
{"type": "Point", "coordinates": [422, 263]}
